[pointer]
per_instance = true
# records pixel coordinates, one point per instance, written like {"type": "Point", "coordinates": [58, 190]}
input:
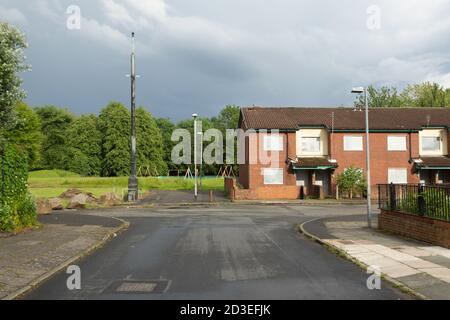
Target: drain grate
{"type": "Point", "coordinates": [138, 287]}
{"type": "Point", "coordinates": [147, 287]}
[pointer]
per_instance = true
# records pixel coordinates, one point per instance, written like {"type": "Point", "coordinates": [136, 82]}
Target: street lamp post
{"type": "Point", "coordinates": [133, 181]}
{"type": "Point", "coordinates": [360, 90]}
{"type": "Point", "coordinates": [200, 134]}
{"type": "Point", "coordinates": [195, 155]}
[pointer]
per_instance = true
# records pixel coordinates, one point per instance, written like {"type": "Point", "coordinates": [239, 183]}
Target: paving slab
{"type": "Point", "coordinates": [29, 256]}
{"type": "Point", "coordinates": [421, 267]}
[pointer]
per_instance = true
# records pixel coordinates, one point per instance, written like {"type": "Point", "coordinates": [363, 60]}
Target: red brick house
{"type": "Point", "coordinates": [314, 145]}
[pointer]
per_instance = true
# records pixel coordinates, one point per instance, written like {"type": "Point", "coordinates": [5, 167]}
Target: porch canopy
{"type": "Point", "coordinates": [316, 163]}
{"type": "Point", "coordinates": [433, 163]}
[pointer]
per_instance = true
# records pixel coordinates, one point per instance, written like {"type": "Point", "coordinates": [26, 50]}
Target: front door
{"type": "Point", "coordinates": [323, 179]}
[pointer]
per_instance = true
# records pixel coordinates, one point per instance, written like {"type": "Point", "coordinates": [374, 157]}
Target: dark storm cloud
{"type": "Point", "coordinates": [199, 55]}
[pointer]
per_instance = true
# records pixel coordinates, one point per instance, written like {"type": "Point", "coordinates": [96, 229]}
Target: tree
{"type": "Point", "coordinates": [114, 125]}
{"type": "Point", "coordinates": [12, 62]}
{"type": "Point", "coordinates": [26, 133]}
{"type": "Point", "coordinates": [385, 97]}
{"type": "Point", "coordinates": [228, 118]}
{"type": "Point", "coordinates": [150, 152]}
{"type": "Point", "coordinates": [351, 181]}
{"type": "Point", "coordinates": [54, 124]}
{"type": "Point", "coordinates": [166, 127]}
{"type": "Point", "coordinates": [426, 94]}
{"type": "Point", "coordinates": [205, 125]}
{"type": "Point", "coordinates": [84, 146]}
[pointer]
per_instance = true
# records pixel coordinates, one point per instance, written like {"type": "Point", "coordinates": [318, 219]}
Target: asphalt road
{"type": "Point", "coordinates": [230, 252]}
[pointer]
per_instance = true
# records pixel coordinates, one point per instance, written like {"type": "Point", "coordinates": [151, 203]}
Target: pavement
{"type": "Point", "coordinates": [219, 252]}
{"type": "Point", "coordinates": [422, 268]}
{"type": "Point", "coordinates": [186, 197]}
{"type": "Point", "coordinates": [168, 197]}
{"type": "Point", "coordinates": [31, 257]}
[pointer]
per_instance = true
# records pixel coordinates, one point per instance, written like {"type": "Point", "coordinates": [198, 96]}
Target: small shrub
{"type": "Point", "coordinates": [6, 218]}
{"type": "Point", "coordinates": [27, 211]}
{"type": "Point", "coordinates": [352, 181]}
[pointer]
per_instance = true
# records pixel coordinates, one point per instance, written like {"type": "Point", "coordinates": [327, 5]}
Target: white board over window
{"type": "Point", "coordinates": [311, 144]}
{"type": "Point", "coordinates": [398, 176]}
{"type": "Point", "coordinates": [353, 143]}
{"type": "Point", "coordinates": [273, 176]}
{"type": "Point", "coordinates": [396, 143]}
{"type": "Point", "coordinates": [273, 142]}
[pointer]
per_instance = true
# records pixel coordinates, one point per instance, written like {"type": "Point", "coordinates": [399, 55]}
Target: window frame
{"type": "Point", "coordinates": [361, 138]}
{"type": "Point", "coordinates": [405, 170]}
{"type": "Point", "coordinates": [278, 170]}
{"type": "Point", "coordinates": [269, 138]}
{"type": "Point", "coordinates": [439, 140]}
{"type": "Point", "coordinates": [405, 148]}
{"type": "Point", "coordinates": [319, 140]}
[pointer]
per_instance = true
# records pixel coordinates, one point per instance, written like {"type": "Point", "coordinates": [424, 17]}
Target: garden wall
{"type": "Point", "coordinates": [416, 227]}
{"type": "Point", "coordinates": [281, 192]}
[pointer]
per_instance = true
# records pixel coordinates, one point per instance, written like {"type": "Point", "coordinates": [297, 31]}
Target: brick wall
{"type": "Point", "coordinates": [381, 158]}
{"type": "Point", "coordinates": [250, 175]}
{"type": "Point", "coordinates": [415, 227]}
{"type": "Point", "coordinates": [278, 192]}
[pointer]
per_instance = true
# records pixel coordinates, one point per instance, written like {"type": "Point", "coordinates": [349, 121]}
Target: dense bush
{"type": "Point", "coordinates": [17, 208]}
{"type": "Point", "coordinates": [352, 181]}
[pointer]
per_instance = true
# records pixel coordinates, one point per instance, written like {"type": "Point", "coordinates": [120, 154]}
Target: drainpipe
{"type": "Point", "coordinates": [410, 147]}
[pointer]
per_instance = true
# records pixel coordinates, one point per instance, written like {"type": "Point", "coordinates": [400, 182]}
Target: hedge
{"type": "Point", "coordinates": [17, 207]}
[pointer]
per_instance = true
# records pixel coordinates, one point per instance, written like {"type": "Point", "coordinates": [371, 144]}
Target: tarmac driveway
{"type": "Point", "coordinates": [227, 252]}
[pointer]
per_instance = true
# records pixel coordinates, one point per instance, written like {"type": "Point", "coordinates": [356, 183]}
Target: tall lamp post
{"type": "Point", "coordinates": [200, 135]}
{"type": "Point", "coordinates": [360, 90]}
{"type": "Point", "coordinates": [194, 115]}
{"type": "Point", "coordinates": [133, 181]}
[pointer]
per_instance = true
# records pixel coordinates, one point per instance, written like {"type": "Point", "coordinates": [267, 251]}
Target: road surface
{"type": "Point", "coordinates": [227, 252]}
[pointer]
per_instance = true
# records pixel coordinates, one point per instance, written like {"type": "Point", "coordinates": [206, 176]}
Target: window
{"type": "Point", "coordinates": [399, 176]}
{"type": "Point", "coordinates": [431, 143]}
{"type": "Point", "coordinates": [273, 176]}
{"type": "Point", "coordinates": [311, 144]}
{"type": "Point", "coordinates": [273, 143]}
{"type": "Point", "coordinates": [353, 143]}
{"type": "Point", "coordinates": [396, 143]}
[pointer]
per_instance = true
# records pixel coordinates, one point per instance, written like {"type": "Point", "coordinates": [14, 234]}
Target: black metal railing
{"type": "Point", "coordinates": [431, 201]}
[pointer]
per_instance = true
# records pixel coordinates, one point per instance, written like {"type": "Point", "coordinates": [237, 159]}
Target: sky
{"type": "Point", "coordinates": [200, 55]}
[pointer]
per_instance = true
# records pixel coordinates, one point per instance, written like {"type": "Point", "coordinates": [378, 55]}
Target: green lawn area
{"type": "Point", "coordinates": [51, 183]}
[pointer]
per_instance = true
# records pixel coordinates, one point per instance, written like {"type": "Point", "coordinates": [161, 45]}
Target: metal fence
{"type": "Point", "coordinates": [431, 201]}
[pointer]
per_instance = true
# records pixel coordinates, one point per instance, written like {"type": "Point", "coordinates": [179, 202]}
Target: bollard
{"type": "Point", "coordinates": [211, 196]}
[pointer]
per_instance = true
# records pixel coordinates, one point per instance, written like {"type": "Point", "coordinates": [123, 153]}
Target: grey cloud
{"type": "Point", "coordinates": [200, 55]}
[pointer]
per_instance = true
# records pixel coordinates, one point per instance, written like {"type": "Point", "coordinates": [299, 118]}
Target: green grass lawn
{"type": "Point", "coordinates": [51, 183]}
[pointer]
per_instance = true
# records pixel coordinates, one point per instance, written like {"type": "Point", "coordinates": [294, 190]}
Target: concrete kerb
{"type": "Point", "coordinates": [100, 243]}
{"type": "Point", "coordinates": [236, 202]}
{"type": "Point", "coordinates": [397, 284]}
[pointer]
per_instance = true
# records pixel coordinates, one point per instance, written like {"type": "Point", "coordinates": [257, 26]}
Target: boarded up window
{"type": "Point", "coordinates": [273, 143]}
{"type": "Point", "coordinates": [396, 143]}
{"type": "Point", "coordinates": [273, 176]}
{"type": "Point", "coordinates": [353, 143]}
{"type": "Point", "coordinates": [398, 176]}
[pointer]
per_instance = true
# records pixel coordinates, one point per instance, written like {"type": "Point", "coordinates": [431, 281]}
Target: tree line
{"type": "Point", "coordinates": [91, 145]}
{"type": "Point", "coordinates": [426, 94]}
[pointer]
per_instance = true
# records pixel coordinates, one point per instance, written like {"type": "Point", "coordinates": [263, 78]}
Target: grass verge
{"type": "Point", "coordinates": [51, 183]}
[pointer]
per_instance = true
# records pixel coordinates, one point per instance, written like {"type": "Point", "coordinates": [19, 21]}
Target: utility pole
{"type": "Point", "coordinates": [133, 189]}
{"type": "Point", "coordinates": [195, 156]}
{"type": "Point", "coordinates": [369, 186]}
{"type": "Point", "coordinates": [360, 90]}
